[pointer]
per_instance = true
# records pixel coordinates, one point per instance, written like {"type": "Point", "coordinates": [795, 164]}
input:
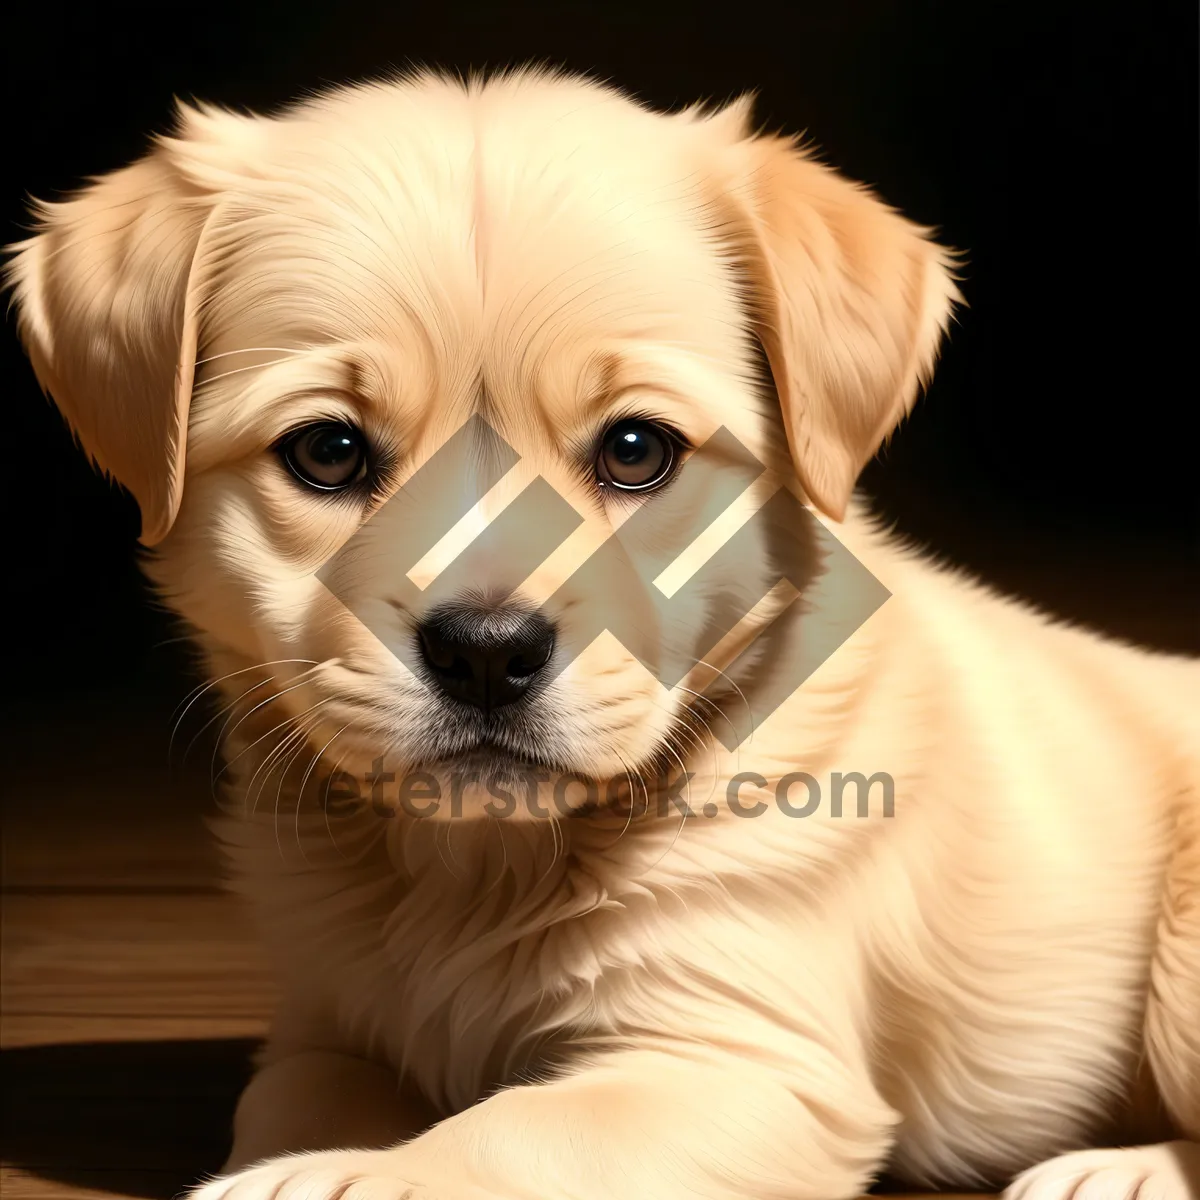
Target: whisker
{"type": "Point", "coordinates": [249, 350]}
{"type": "Point", "coordinates": [241, 370]}
{"type": "Point", "coordinates": [299, 731]}
{"type": "Point", "coordinates": [732, 684]}
{"type": "Point", "coordinates": [247, 809]}
{"type": "Point", "coordinates": [437, 843]}
{"type": "Point", "coordinates": [195, 694]}
{"type": "Point", "coordinates": [683, 816]}
{"type": "Point", "coordinates": [700, 745]}
{"type": "Point", "coordinates": [737, 750]}
{"type": "Point", "coordinates": [303, 742]}
{"type": "Point", "coordinates": [246, 716]}
{"type": "Point", "coordinates": [304, 783]}
{"type": "Point", "coordinates": [629, 814]}
{"type": "Point", "coordinates": [329, 783]}
{"type": "Point", "coordinates": [273, 755]}
{"type": "Point", "coordinates": [285, 760]}
{"type": "Point", "coordinates": [499, 825]}
{"type": "Point", "coordinates": [172, 641]}
{"type": "Point", "coordinates": [224, 712]}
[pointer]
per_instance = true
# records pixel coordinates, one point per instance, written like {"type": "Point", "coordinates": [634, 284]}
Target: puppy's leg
{"type": "Point", "coordinates": [1172, 1035]}
{"type": "Point", "coordinates": [639, 1123]}
{"type": "Point", "coordinates": [1171, 1170]}
{"type": "Point", "coordinates": [319, 1100]}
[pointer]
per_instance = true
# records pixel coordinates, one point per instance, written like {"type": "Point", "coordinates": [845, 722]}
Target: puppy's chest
{"type": "Point", "coordinates": [462, 1003]}
{"type": "Point", "coordinates": [462, 962]}
{"type": "Point", "coordinates": [461, 975]}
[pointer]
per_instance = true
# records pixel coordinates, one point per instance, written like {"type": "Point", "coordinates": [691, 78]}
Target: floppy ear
{"type": "Point", "coordinates": [850, 303]}
{"type": "Point", "coordinates": [107, 295]}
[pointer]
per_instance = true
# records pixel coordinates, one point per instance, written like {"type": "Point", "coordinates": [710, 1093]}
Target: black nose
{"type": "Point", "coordinates": [485, 656]}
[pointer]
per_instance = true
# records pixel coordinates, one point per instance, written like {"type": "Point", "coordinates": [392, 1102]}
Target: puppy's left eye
{"type": "Point", "coordinates": [636, 456]}
{"type": "Point", "coordinates": [328, 456]}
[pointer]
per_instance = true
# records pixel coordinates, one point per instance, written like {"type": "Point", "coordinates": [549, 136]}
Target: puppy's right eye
{"type": "Point", "coordinates": [636, 456]}
{"type": "Point", "coordinates": [329, 456]}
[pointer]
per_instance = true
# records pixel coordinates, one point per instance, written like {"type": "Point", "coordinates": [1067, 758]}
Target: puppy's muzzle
{"type": "Point", "coordinates": [483, 655]}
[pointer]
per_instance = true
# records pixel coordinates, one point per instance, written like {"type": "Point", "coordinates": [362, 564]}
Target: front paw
{"type": "Point", "coordinates": [347, 1175]}
{"type": "Point", "coordinates": [1170, 1171]}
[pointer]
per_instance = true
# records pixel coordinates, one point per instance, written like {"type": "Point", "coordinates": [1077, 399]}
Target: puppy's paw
{"type": "Point", "coordinates": [1170, 1171]}
{"type": "Point", "coordinates": [345, 1175]}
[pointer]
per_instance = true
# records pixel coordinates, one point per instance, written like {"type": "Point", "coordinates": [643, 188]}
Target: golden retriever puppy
{"type": "Point", "coordinates": [335, 354]}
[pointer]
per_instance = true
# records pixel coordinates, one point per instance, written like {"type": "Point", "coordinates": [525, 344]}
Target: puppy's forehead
{"type": "Point", "coordinates": [505, 240]}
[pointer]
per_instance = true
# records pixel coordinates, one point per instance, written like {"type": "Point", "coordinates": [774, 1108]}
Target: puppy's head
{"type": "Point", "coordinates": [386, 372]}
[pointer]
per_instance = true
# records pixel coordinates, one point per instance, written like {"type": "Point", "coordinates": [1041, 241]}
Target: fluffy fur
{"type": "Point", "coordinates": [625, 1004]}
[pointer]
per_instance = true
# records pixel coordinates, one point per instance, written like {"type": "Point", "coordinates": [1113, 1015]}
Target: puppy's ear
{"type": "Point", "coordinates": [850, 302]}
{"type": "Point", "coordinates": [107, 293]}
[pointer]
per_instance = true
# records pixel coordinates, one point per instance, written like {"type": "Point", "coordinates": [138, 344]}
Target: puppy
{"type": "Point", "coordinates": [530, 304]}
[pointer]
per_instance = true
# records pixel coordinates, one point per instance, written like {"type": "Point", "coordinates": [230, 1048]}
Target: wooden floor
{"type": "Point", "coordinates": [132, 989]}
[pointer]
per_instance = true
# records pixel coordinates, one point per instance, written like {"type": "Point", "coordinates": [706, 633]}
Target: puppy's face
{"type": "Point", "coordinates": [395, 376]}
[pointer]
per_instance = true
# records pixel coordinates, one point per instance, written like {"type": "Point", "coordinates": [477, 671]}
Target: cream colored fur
{"type": "Point", "coordinates": [625, 1005]}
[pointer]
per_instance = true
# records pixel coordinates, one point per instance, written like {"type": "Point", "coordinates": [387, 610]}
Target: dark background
{"type": "Point", "coordinates": [1055, 143]}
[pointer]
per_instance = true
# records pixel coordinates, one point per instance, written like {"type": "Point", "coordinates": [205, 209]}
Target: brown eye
{"type": "Point", "coordinates": [635, 456]}
{"type": "Point", "coordinates": [328, 456]}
